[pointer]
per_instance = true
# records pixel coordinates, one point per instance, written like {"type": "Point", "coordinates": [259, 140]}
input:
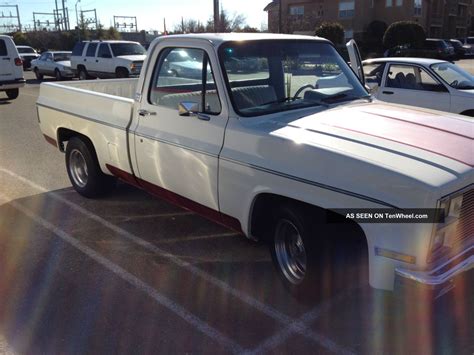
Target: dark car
{"type": "Point", "coordinates": [459, 50]}
{"type": "Point", "coordinates": [431, 48]}
{"type": "Point", "coordinates": [27, 54]}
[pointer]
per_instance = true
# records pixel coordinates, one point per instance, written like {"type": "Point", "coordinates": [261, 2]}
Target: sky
{"type": "Point", "coordinates": [149, 14]}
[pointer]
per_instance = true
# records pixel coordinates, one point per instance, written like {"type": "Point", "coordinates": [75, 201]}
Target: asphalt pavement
{"type": "Point", "coordinates": [132, 274]}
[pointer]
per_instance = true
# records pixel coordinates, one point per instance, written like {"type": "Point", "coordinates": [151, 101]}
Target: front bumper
{"type": "Point", "coordinates": [12, 84]}
{"type": "Point", "coordinates": [439, 280]}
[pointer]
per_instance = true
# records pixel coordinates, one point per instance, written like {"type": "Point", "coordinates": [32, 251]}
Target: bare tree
{"type": "Point", "coordinates": [227, 22]}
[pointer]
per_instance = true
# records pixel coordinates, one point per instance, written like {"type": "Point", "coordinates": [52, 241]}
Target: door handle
{"type": "Point", "coordinates": [203, 117]}
{"type": "Point", "coordinates": [97, 60]}
{"type": "Point", "coordinates": [388, 92]}
{"type": "Point", "coordinates": [85, 60]}
{"type": "Point", "coordinates": [144, 113]}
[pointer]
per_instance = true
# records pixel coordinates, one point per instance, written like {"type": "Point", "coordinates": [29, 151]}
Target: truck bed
{"type": "Point", "coordinates": [98, 109]}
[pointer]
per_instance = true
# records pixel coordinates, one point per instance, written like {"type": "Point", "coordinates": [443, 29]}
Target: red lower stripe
{"type": "Point", "coordinates": [50, 140]}
{"type": "Point", "coordinates": [209, 213]}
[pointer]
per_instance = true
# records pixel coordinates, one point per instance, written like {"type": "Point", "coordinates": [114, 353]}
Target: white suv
{"type": "Point", "coordinates": [107, 59]}
{"type": "Point", "coordinates": [11, 68]}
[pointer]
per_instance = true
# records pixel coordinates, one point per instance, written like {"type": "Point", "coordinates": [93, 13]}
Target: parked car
{"type": "Point", "coordinates": [53, 63]}
{"type": "Point", "coordinates": [107, 59]}
{"type": "Point", "coordinates": [27, 54]}
{"type": "Point", "coordinates": [468, 43]}
{"type": "Point", "coordinates": [431, 48]}
{"type": "Point", "coordinates": [459, 50]}
{"type": "Point", "coordinates": [184, 63]}
{"type": "Point", "coordinates": [11, 68]}
{"type": "Point", "coordinates": [430, 83]}
{"type": "Point", "coordinates": [275, 157]}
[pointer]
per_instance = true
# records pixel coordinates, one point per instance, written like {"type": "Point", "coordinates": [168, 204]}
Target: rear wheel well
{"type": "Point", "coordinates": [469, 113]}
{"type": "Point", "coordinates": [65, 134]}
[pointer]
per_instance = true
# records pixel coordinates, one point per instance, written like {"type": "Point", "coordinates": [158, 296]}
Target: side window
{"type": "Point", "coordinates": [49, 57]}
{"type": "Point", "coordinates": [78, 49]}
{"type": "Point", "coordinates": [412, 78]}
{"type": "Point", "coordinates": [42, 56]}
{"type": "Point", "coordinates": [184, 74]}
{"type": "Point", "coordinates": [402, 77]}
{"type": "Point", "coordinates": [104, 51]}
{"type": "Point", "coordinates": [3, 47]}
{"type": "Point", "coordinates": [374, 72]}
{"type": "Point", "coordinates": [427, 82]}
{"type": "Point", "coordinates": [91, 50]}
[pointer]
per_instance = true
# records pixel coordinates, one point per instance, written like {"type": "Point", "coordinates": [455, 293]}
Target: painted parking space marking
{"type": "Point", "coordinates": [196, 322]}
{"type": "Point", "coordinates": [297, 326]}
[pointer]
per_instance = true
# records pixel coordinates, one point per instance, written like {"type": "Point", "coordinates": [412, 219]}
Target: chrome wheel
{"type": "Point", "coordinates": [290, 251]}
{"type": "Point", "coordinates": [78, 168]}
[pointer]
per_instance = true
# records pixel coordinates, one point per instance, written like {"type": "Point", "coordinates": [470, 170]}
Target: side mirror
{"type": "Point", "coordinates": [188, 108]}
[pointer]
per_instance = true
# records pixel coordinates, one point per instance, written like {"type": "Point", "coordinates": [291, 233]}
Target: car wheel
{"type": "Point", "coordinates": [84, 170]}
{"type": "Point", "coordinates": [57, 75]}
{"type": "Point", "coordinates": [82, 74]}
{"type": "Point", "coordinates": [292, 247]}
{"type": "Point", "coordinates": [38, 75]}
{"type": "Point", "coordinates": [121, 73]}
{"type": "Point", "coordinates": [12, 93]}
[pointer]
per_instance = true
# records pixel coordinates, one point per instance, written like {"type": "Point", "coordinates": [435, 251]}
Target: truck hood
{"type": "Point", "coordinates": [133, 58]}
{"type": "Point", "coordinates": [384, 149]}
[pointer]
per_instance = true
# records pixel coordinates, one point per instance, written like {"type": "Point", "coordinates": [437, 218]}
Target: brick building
{"type": "Point", "coordinates": [440, 18]}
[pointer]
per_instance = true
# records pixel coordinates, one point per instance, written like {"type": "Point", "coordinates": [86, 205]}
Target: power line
{"type": "Point", "coordinates": [10, 27]}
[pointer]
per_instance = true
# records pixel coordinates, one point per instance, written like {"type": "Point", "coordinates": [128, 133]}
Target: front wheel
{"type": "Point", "coordinates": [12, 93]}
{"type": "Point", "coordinates": [57, 75]}
{"type": "Point", "coordinates": [293, 248]}
{"type": "Point", "coordinates": [84, 170]}
{"type": "Point", "coordinates": [82, 74]}
{"type": "Point", "coordinates": [121, 73]}
{"type": "Point", "coordinates": [38, 75]}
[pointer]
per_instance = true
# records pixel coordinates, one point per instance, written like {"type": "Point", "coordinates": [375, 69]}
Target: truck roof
{"type": "Point", "coordinates": [218, 38]}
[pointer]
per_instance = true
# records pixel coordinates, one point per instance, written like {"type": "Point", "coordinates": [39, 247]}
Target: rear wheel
{"type": "Point", "coordinates": [57, 75]}
{"type": "Point", "coordinates": [38, 75]}
{"type": "Point", "coordinates": [84, 170]}
{"type": "Point", "coordinates": [12, 93]}
{"type": "Point", "coordinates": [82, 74]}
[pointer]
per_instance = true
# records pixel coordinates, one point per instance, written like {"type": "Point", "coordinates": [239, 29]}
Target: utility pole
{"type": "Point", "coordinates": [65, 17]}
{"type": "Point", "coordinates": [47, 23]}
{"type": "Point", "coordinates": [280, 21]}
{"type": "Point", "coordinates": [122, 26]}
{"type": "Point", "coordinates": [90, 20]}
{"type": "Point", "coordinates": [216, 16]}
{"type": "Point", "coordinates": [9, 27]}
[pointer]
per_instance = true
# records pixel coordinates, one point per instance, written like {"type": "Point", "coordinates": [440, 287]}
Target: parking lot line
{"type": "Point", "coordinates": [196, 322]}
{"type": "Point", "coordinates": [198, 237]}
{"type": "Point", "coordinates": [280, 337]}
{"type": "Point", "coordinates": [299, 328]}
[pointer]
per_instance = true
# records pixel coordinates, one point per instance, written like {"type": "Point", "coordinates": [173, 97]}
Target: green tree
{"type": "Point", "coordinates": [404, 32]}
{"type": "Point", "coordinates": [112, 33]}
{"type": "Point", "coordinates": [20, 39]}
{"type": "Point", "coordinates": [332, 31]}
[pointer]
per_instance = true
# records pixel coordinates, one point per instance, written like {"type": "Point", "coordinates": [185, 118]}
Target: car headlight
{"type": "Point", "coordinates": [444, 233]}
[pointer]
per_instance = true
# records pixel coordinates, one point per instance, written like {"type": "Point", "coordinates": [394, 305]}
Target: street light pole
{"type": "Point", "coordinates": [77, 16]}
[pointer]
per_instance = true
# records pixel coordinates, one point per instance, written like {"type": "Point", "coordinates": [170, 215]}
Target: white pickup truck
{"type": "Point", "coordinates": [275, 152]}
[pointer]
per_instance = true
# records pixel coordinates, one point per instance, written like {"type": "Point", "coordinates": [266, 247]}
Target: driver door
{"type": "Point", "coordinates": [177, 153]}
{"type": "Point", "coordinates": [355, 60]}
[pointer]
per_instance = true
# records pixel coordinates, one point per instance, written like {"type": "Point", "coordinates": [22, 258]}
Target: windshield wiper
{"type": "Point", "coordinates": [344, 97]}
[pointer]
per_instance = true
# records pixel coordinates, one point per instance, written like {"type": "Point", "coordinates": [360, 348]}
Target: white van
{"type": "Point", "coordinates": [11, 68]}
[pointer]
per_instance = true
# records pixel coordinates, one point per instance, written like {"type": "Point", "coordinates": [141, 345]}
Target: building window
{"type": "Point", "coordinates": [388, 3]}
{"type": "Point", "coordinates": [399, 2]}
{"type": "Point", "coordinates": [346, 9]}
{"type": "Point", "coordinates": [417, 11]}
{"type": "Point", "coordinates": [297, 10]}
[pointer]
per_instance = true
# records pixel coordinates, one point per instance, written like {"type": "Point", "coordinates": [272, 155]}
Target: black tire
{"type": "Point", "coordinates": [121, 73]}
{"type": "Point", "coordinates": [84, 171]}
{"type": "Point", "coordinates": [38, 75]}
{"type": "Point", "coordinates": [82, 73]}
{"type": "Point", "coordinates": [57, 75]}
{"type": "Point", "coordinates": [12, 94]}
{"type": "Point", "coordinates": [334, 260]}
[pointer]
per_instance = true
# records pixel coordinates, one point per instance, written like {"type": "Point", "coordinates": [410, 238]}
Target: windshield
{"type": "Point", "coordinates": [271, 76]}
{"type": "Point", "coordinates": [454, 76]}
{"type": "Point", "coordinates": [127, 49]}
{"type": "Point", "coordinates": [59, 57]}
{"type": "Point", "coordinates": [24, 50]}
